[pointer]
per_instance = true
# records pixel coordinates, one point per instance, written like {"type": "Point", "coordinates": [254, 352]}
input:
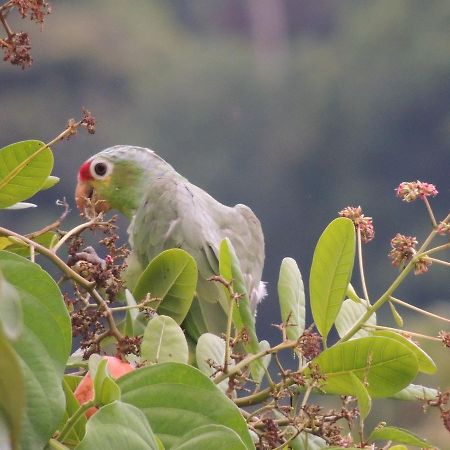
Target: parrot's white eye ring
{"type": "Point", "coordinates": [100, 168]}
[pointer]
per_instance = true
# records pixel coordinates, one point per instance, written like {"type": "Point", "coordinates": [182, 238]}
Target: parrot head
{"type": "Point", "coordinates": [116, 178]}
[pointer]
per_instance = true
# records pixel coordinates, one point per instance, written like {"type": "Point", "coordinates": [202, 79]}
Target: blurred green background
{"type": "Point", "coordinates": [296, 108]}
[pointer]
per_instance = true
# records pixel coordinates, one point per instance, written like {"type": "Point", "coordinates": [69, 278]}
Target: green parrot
{"type": "Point", "coordinates": [167, 211]}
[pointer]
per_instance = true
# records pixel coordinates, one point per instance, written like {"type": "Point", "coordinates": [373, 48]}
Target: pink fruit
{"type": "Point", "coordinates": [85, 390]}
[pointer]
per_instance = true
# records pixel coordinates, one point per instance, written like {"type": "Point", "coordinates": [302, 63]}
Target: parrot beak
{"type": "Point", "coordinates": [87, 201]}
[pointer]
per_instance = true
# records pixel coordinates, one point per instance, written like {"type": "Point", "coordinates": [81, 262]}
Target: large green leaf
{"type": "Point", "coordinates": [331, 270]}
{"type": "Point", "coordinates": [177, 398]}
{"type": "Point", "coordinates": [426, 364]}
{"type": "Point", "coordinates": [24, 169]}
{"type": "Point", "coordinates": [172, 277]}
{"type": "Point", "coordinates": [385, 365]}
{"type": "Point", "coordinates": [291, 294]}
{"type": "Point", "coordinates": [43, 346]}
{"type": "Point", "coordinates": [349, 314]}
{"type": "Point", "coordinates": [12, 396]}
{"type": "Point", "coordinates": [398, 435]}
{"type": "Point", "coordinates": [118, 426]}
{"type": "Point", "coordinates": [164, 341]}
{"type": "Point", "coordinates": [208, 437]}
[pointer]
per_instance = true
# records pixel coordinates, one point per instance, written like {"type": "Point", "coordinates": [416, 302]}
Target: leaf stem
{"type": "Point", "coordinates": [253, 357]}
{"type": "Point", "coordinates": [74, 419]}
{"type": "Point", "coordinates": [67, 132]}
{"type": "Point", "coordinates": [419, 310]}
{"type": "Point", "coordinates": [439, 261]}
{"type": "Point", "coordinates": [430, 211]}
{"type": "Point", "coordinates": [361, 265]}
{"type": "Point", "coordinates": [402, 332]}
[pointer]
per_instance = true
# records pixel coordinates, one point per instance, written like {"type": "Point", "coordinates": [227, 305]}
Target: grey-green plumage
{"type": "Point", "coordinates": [168, 211]}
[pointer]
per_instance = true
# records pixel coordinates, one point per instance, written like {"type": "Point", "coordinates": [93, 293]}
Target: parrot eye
{"type": "Point", "coordinates": [100, 169]}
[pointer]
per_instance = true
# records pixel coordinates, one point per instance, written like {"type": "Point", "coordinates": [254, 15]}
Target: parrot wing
{"type": "Point", "coordinates": [177, 214]}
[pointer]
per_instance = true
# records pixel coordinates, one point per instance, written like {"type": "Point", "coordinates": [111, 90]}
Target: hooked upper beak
{"type": "Point", "coordinates": [87, 201]}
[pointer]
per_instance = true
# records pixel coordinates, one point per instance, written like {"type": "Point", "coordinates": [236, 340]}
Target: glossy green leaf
{"type": "Point", "coordinates": [291, 294]}
{"type": "Point", "coordinates": [164, 341]}
{"type": "Point", "coordinates": [209, 437]}
{"type": "Point", "coordinates": [118, 426]}
{"type": "Point", "coordinates": [42, 348]}
{"type": "Point", "coordinates": [210, 354]}
{"type": "Point", "coordinates": [10, 310]}
{"type": "Point", "coordinates": [78, 430]}
{"type": "Point", "coordinates": [383, 364]}
{"type": "Point", "coordinates": [331, 270]}
{"type": "Point", "coordinates": [48, 240]}
{"type": "Point", "coordinates": [415, 392]}
{"type": "Point", "coordinates": [172, 277]}
{"type": "Point", "coordinates": [398, 447]}
{"type": "Point", "coordinates": [361, 393]}
{"type": "Point", "coordinates": [50, 182]}
{"type": "Point", "coordinates": [398, 435]}
{"type": "Point", "coordinates": [12, 396]}
{"type": "Point", "coordinates": [24, 169]}
{"type": "Point", "coordinates": [243, 317]}
{"type": "Point", "coordinates": [426, 364]}
{"type": "Point", "coordinates": [176, 397]}
{"type": "Point", "coordinates": [349, 314]}
{"type": "Point", "coordinates": [105, 388]}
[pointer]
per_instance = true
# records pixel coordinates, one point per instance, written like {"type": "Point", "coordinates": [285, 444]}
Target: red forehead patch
{"type": "Point", "coordinates": [84, 173]}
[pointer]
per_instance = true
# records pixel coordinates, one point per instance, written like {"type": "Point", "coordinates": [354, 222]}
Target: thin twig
{"type": "Point", "coordinates": [419, 310]}
{"type": "Point", "coordinates": [53, 225]}
{"type": "Point", "coordinates": [430, 212]}
{"type": "Point", "coordinates": [402, 332]}
{"type": "Point", "coordinates": [361, 265]}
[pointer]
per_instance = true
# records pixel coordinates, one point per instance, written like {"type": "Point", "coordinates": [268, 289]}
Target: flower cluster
{"type": "Point", "coordinates": [16, 48]}
{"type": "Point", "coordinates": [443, 228]}
{"type": "Point", "coordinates": [409, 191]}
{"type": "Point", "coordinates": [36, 9]}
{"type": "Point", "coordinates": [403, 250]}
{"type": "Point", "coordinates": [364, 224]}
{"type": "Point", "coordinates": [16, 45]}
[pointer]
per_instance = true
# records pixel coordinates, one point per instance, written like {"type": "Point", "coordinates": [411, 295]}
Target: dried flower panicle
{"type": "Point", "coordinates": [409, 191]}
{"type": "Point", "coordinates": [16, 49]}
{"type": "Point", "coordinates": [16, 45]}
{"type": "Point", "coordinates": [88, 121]}
{"type": "Point", "coordinates": [309, 344]}
{"type": "Point", "coordinates": [35, 9]}
{"type": "Point", "coordinates": [361, 222]}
